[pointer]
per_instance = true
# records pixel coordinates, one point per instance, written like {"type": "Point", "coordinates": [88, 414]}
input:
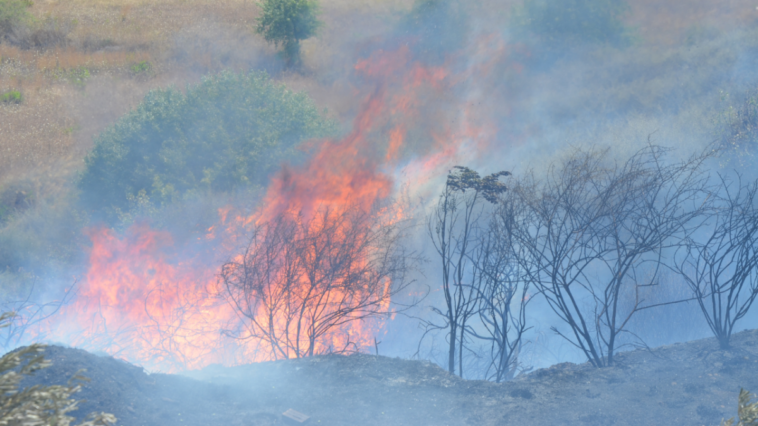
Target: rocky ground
{"type": "Point", "coordinates": [693, 383]}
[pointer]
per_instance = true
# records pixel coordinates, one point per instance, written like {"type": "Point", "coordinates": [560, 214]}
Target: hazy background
{"type": "Point", "coordinates": [469, 84]}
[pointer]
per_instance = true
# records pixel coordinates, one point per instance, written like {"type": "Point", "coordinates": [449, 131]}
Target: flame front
{"type": "Point", "coordinates": [143, 299]}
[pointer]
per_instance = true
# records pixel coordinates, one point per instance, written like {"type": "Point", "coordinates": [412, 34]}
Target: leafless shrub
{"type": "Point", "coordinates": [29, 314]}
{"type": "Point", "coordinates": [502, 298]}
{"type": "Point", "coordinates": [593, 228]}
{"type": "Point", "coordinates": [302, 282]}
{"type": "Point", "coordinates": [478, 279]}
{"type": "Point", "coordinates": [721, 266]}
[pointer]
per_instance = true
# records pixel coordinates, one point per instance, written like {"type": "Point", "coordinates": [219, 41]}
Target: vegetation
{"type": "Point", "coordinates": [736, 126]}
{"type": "Point", "coordinates": [19, 27]}
{"type": "Point", "coordinates": [588, 213]}
{"type": "Point", "coordinates": [286, 22]}
{"type": "Point", "coordinates": [11, 97]}
{"type": "Point", "coordinates": [572, 21]}
{"type": "Point", "coordinates": [229, 132]}
{"type": "Point", "coordinates": [301, 281]}
{"type": "Point", "coordinates": [14, 17]}
{"type": "Point", "coordinates": [37, 405]}
{"type": "Point", "coordinates": [474, 275]}
{"type": "Point", "coordinates": [141, 67]}
{"type": "Point", "coordinates": [746, 411]}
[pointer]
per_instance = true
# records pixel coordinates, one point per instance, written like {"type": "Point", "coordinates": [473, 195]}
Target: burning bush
{"type": "Point", "coordinates": [230, 131]}
{"type": "Point", "coordinates": [305, 285]}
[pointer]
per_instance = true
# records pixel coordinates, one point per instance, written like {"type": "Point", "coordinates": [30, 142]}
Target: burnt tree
{"type": "Point", "coordinates": [594, 229]}
{"type": "Point", "coordinates": [453, 230]}
{"type": "Point", "coordinates": [502, 297]}
{"type": "Point", "coordinates": [720, 263]}
{"type": "Point", "coordinates": [303, 282]}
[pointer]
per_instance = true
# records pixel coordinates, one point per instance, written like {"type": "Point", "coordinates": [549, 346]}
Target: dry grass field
{"type": "Point", "coordinates": [115, 51]}
{"type": "Point", "coordinates": [184, 39]}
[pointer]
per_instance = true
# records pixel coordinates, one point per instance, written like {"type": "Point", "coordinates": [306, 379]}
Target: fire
{"type": "Point", "coordinates": [145, 300]}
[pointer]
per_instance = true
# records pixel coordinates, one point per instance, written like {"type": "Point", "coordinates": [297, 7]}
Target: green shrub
{"type": "Point", "coordinates": [286, 22]}
{"type": "Point", "coordinates": [746, 411]}
{"type": "Point", "coordinates": [229, 132]}
{"type": "Point", "coordinates": [141, 67]}
{"type": "Point", "coordinates": [11, 97]}
{"type": "Point", "coordinates": [14, 18]}
{"type": "Point", "coordinates": [573, 21]}
{"type": "Point", "coordinates": [37, 405]}
{"type": "Point", "coordinates": [78, 76]}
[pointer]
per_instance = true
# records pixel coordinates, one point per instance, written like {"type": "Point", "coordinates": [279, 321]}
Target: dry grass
{"type": "Point", "coordinates": [184, 39]}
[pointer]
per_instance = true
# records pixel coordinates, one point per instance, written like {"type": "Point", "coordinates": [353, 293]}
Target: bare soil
{"type": "Point", "coordinates": [693, 383]}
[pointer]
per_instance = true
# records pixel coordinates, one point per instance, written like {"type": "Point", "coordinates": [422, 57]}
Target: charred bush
{"type": "Point", "coordinates": [303, 282]}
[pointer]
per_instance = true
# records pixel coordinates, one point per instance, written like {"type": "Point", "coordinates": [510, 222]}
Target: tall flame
{"type": "Point", "coordinates": [145, 301]}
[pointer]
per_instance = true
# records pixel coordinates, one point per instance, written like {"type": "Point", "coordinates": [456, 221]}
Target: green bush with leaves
{"type": "Point", "coordinates": [573, 21]}
{"type": "Point", "coordinates": [229, 132]}
{"type": "Point", "coordinates": [286, 22]}
{"type": "Point", "coordinates": [12, 97]}
{"type": "Point", "coordinates": [142, 67]}
{"type": "Point", "coordinates": [37, 405]}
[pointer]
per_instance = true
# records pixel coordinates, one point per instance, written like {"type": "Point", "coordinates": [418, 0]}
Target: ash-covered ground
{"type": "Point", "coordinates": [692, 383]}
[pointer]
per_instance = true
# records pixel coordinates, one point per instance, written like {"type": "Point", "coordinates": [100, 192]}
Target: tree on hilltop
{"type": "Point", "coordinates": [285, 22]}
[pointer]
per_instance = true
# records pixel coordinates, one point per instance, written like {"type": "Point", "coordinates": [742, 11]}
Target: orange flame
{"type": "Point", "coordinates": [145, 302]}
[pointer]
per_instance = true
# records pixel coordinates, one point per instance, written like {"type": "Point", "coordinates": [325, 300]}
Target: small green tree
{"type": "Point", "coordinates": [286, 22]}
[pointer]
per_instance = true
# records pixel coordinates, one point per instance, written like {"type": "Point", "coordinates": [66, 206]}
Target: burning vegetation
{"type": "Point", "coordinates": [299, 179]}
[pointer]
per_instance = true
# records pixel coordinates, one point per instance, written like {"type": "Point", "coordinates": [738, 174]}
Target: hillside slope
{"type": "Point", "coordinates": [692, 383]}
